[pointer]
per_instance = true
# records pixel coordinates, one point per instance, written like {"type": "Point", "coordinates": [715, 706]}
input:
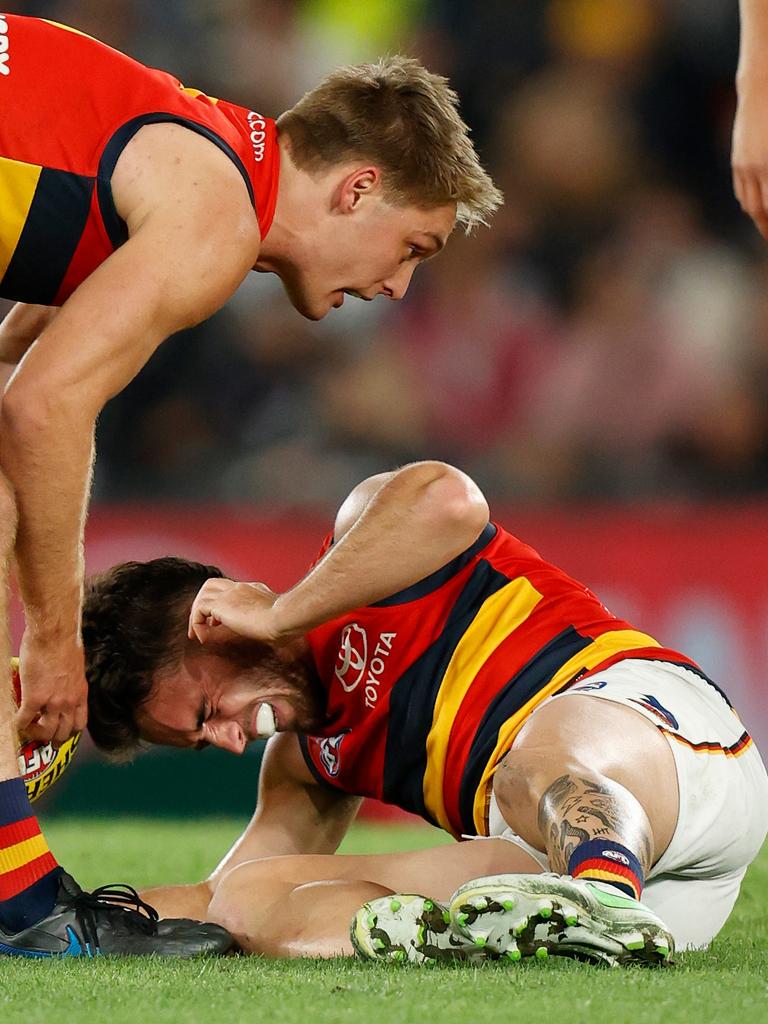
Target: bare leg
{"type": "Point", "coordinates": [180, 900]}
{"type": "Point", "coordinates": [578, 807]}
{"type": "Point", "coordinates": [290, 920]}
{"type": "Point", "coordinates": [303, 905]}
{"type": "Point", "coordinates": [9, 764]}
{"type": "Point", "coordinates": [585, 768]}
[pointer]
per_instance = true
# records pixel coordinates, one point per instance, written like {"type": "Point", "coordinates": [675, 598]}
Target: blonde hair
{"type": "Point", "coordinates": [406, 120]}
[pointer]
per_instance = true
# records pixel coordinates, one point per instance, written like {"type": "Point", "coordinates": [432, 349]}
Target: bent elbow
{"type": "Point", "coordinates": [453, 505]}
{"type": "Point", "coordinates": [25, 410]}
{"type": "Point", "coordinates": [31, 409]}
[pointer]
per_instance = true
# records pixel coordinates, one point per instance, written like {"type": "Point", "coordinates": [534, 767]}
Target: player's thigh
{"type": "Point", "coordinates": [581, 734]}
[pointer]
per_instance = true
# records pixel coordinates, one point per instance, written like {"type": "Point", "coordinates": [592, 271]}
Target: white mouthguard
{"type": "Point", "coordinates": [265, 721]}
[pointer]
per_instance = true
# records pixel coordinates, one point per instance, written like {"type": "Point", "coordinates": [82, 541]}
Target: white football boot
{"type": "Point", "coordinates": [408, 928]}
{"type": "Point", "coordinates": [518, 916]}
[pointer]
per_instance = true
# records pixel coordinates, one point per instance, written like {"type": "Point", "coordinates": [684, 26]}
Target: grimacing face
{"type": "Point", "coordinates": [374, 252]}
{"type": "Point", "coordinates": [212, 700]}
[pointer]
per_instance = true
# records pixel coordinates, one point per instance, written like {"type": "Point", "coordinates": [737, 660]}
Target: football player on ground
{"type": "Point", "coordinates": [431, 659]}
{"type": "Point", "coordinates": [138, 206]}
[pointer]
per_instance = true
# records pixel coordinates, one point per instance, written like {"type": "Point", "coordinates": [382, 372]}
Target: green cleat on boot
{"type": "Point", "coordinates": [408, 928]}
{"type": "Point", "coordinates": [515, 917]}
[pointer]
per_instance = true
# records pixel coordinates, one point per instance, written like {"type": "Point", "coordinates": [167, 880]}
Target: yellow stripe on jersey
{"type": "Point", "coordinates": [18, 183]}
{"type": "Point", "coordinates": [604, 647]}
{"type": "Point", "coordinates": [499, 615]}
{"type": "Point", "coordinates": [22, 853]}
{"type": "Point", "coordinates": [194, 93]}
{"type": "Point", "coordinates": [68, 28]}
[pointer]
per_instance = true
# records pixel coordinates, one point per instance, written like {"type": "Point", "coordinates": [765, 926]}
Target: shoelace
{"type": "Point", "coordinates": [118, 898]}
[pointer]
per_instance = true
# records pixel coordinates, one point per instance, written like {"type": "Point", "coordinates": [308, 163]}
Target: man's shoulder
{"type": "Point", "coordinates": [174, 166]}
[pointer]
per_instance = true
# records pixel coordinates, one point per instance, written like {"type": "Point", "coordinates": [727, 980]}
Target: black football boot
{"type": "Point", "coordinates": [112, 920]}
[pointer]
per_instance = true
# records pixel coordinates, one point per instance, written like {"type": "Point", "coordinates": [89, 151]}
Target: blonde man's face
{"type": "Point", "coordinates": [373, 252]}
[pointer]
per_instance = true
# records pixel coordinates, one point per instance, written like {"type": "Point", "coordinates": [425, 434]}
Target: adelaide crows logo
{"type": "Point", "coordinates": [329, 753]}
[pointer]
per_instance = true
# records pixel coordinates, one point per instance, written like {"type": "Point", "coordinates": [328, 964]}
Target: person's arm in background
{"type": "Point", "coordinates": [393, 530]}
{"type": "Point", "coordinates": [294, 814]}
{"type": "Point", "coordinates": [749, 156]}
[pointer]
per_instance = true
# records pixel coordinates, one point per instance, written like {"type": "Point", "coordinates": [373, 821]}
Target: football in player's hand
{"type": "Point", "coordinates": [41, 764]}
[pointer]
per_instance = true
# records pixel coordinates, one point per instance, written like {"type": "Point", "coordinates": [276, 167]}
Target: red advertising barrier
{"type": "Point", "coordinates": [695, 578]}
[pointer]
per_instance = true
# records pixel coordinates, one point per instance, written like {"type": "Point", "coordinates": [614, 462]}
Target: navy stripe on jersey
{"type": "Point", "coordinates": [434, 581]}
{"type": "Point", "coordinates": [518, 691]}
{"type": "Point", "coordinates": [51, 233]}
{"type": "Point", "coordinates": [113, 222]}
{"type": "Point", "coordinates": [412, 698]}
{"type": "Point", "coordinates": [316, 773]}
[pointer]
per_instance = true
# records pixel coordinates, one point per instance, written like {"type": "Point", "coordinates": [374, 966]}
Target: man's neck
{"type": "Point", "coordinates": [292, 222]}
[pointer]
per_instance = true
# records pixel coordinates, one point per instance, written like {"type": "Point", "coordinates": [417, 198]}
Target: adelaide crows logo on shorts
{"type": "Point", "coordinates": [329, 753]}
{"type": "Point", "coordinates": [650, 703]}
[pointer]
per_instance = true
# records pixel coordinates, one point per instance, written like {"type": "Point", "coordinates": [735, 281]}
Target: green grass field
{"type": "Point", "coordinates": [728, 981]}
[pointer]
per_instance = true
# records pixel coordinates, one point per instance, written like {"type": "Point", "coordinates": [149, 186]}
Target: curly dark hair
{"type": "Point", "coordinates": [134, 623]}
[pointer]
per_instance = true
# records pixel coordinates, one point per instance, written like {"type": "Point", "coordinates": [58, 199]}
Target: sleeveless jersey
{"type": "Point", "coordinates": [427, 689]}
{"type": "Point", "coordinates": [68, 107]}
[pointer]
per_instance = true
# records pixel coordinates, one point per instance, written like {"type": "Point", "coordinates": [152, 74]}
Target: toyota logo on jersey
{"type": "Point", "coordinates": [352, 657]}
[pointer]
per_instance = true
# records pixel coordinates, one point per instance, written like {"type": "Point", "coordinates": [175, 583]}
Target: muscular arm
{"type": "Point", "coordinates": [184, 259]}
{"type": "Point", "coordinates": [392, 531]}
{"type": "Point", "coordinates": [20, 327]}
{"type": "Point", "coordinates": [294, 815]}
{"type": "Point", "coordinates": [413, 522]}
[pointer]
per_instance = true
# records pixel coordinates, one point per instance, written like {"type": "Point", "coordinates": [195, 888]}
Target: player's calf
{"type": "Point", "coordinates": [278, 907]}
{"type": "Point", "coordinates": [595, 828]}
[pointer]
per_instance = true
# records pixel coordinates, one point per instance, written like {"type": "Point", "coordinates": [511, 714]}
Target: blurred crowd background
{"type": "Point", "coordinates": [608, 338]}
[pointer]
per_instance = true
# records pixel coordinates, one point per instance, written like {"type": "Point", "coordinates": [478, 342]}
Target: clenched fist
{"type": "Point", "coordinates": [227, 607]}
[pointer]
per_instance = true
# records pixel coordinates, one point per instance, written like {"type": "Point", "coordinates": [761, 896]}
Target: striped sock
{"type": "Point", "coordinates": [606, 861]}
{"type": "Point", "coordinates": [29, 874]}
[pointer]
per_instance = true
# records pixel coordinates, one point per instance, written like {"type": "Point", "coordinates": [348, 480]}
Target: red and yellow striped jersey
{"type": "Point", "coordinates": [428, 688]}
{"type": "Point", "coordinates": [68, 107]}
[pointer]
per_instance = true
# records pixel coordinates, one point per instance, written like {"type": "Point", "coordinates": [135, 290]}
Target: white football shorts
{"type": "Point", "coordinates": [723, 787]}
